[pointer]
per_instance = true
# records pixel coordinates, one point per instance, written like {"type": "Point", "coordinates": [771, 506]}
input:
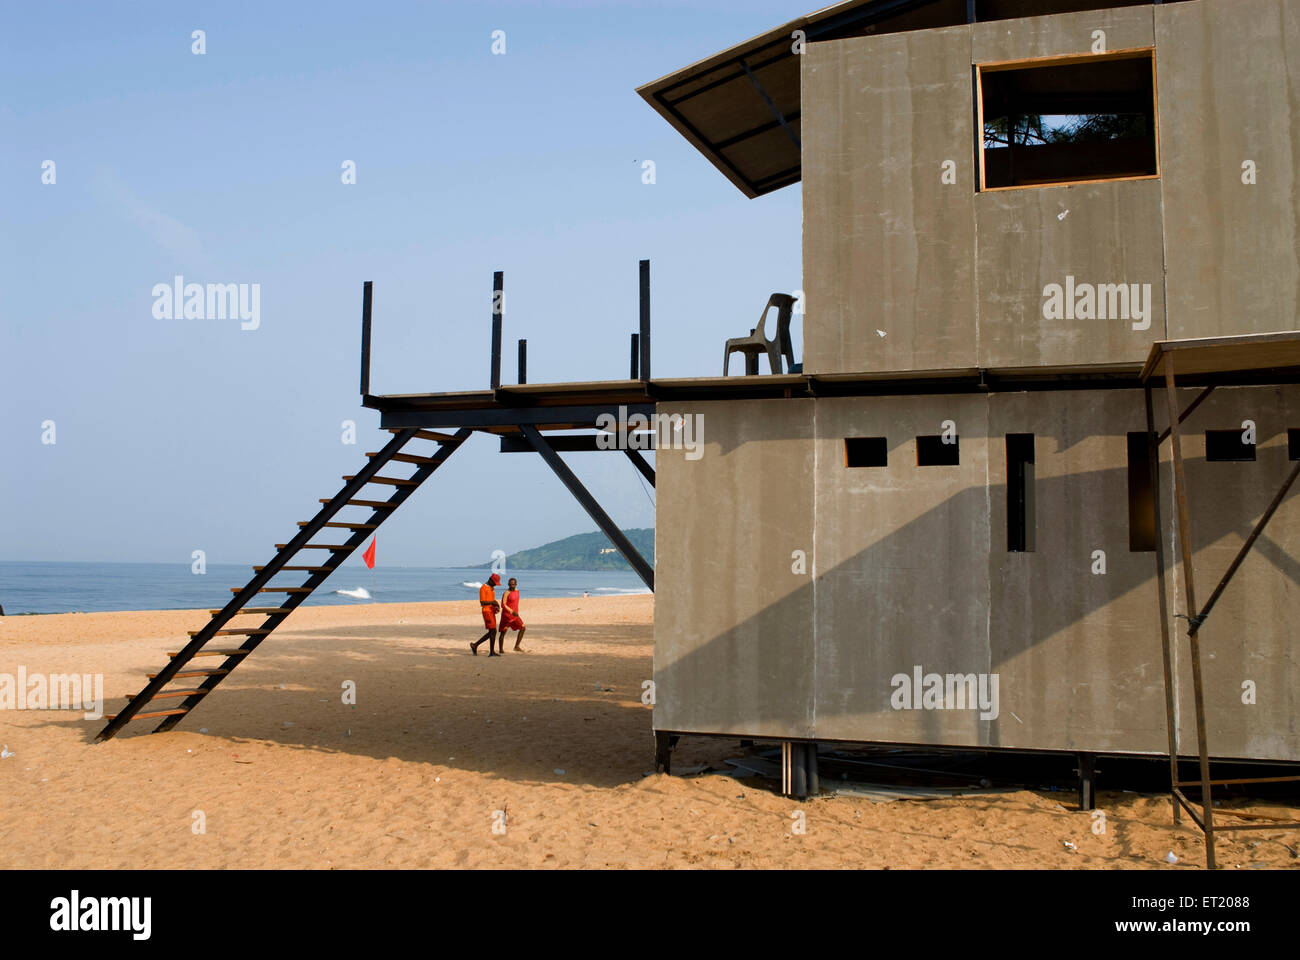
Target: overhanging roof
{"type": "Point", "coordinates": [1259, 354]}
{"type": "Point", "coordinates": [741, 107]}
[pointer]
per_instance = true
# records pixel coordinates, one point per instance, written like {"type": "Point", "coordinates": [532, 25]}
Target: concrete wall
{"type": "Point", "coordinates": [1078, 652]}
{"type": "Point", "coordinates": [903, 271]}
{"type": "Point", "coordinates": [908, 566]}
{"type": "Point", "coordinates": [901, 552]}
{"type": "Point", "coordinates": [1251, 633]}
{"type": "Point", "coordinates": [889, 253]}
{"type": "Point", "coordinates": [731, 640]}
{"type": "Point", "coordinates": [1227, 75]}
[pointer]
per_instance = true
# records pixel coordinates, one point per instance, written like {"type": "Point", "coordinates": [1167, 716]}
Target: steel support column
{"type": "Point", "coordinates": [639, 462]}
{"type": "Point", "coordinates": [1187, 553]}
{"type": "Point", "coordinates": [594, 509]}
{"type": "Point", "coordinates": [1170, 663]}
{"type": "Point", "coordinates": [366, 299]}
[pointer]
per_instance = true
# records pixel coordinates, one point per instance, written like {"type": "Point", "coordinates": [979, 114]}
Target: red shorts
{"type": "Point", "coordinates": [489, 617]}
{"type": "Point", "coordinates": [511, 622]}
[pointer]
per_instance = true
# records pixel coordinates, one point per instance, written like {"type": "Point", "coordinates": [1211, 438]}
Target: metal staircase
{"type": "Point", "coordinates": [140, 706]}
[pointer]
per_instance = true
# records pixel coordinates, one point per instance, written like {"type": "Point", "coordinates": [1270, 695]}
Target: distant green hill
{"type": "Point", "coordinates": [585, 551]}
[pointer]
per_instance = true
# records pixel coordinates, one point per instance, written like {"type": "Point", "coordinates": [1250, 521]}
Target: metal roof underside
{"type": "Point", "coordinates": [740, 107]}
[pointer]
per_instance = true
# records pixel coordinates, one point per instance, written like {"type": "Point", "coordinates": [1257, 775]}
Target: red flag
{"type": "Point", "coordinates": [369, 555]}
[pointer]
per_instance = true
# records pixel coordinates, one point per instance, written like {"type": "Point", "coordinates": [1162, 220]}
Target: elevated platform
{"type": "Point", "coordinates": [1237, 361]}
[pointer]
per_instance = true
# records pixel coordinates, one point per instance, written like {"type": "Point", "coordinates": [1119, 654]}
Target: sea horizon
{"type": "Point", "coordinates": [68, 586]}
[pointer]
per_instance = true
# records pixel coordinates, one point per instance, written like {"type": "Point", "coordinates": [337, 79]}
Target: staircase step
{"type": "Point", "coordinates": [373, 504]}
{"type": "Point", "coordinates": [233, 632]}
{"type": "Point", "coordinates": [391, 481]}
{"type": "Point", "coordinates": [299, 569]}
{"type": "Point", "coordinates": [276, 590]}
{"type": "Point", "coordinates": [316, 546]}
{"type": "Point", "coordinates": [345, 526]}
{"type": "Point", "coordinates": [172, 693]}
{"type": "Point", "coordinates": [156, 713]}
{"type": "Point", "coordinates": [215, 653]}
{"type": "Point", "coordinates": [192, 673]}
{"type": "Point", "coordinates": [256, 611]}
{"type": "Point", "coordinates": [427, 435]}
{"type": "Point", "coordinates": [407, 458]}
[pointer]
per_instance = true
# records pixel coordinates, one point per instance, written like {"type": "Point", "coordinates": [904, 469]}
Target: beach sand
{"type": "Point", "coordinates": [287, 775]}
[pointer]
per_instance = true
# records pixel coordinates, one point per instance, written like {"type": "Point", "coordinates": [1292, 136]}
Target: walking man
{"type": "Point", "coordinates": [487, 601]}
{"type": "Point", "coordinates": [510, 617]}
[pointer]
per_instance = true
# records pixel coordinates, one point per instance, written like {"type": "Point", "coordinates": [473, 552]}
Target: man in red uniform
{"type": "Point", "coordinates": [510, 617]}
{"type": "Point", "coordinates": [487, 601]}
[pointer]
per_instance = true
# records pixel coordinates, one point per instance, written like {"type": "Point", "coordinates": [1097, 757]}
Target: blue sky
{"type": "Point", "coordinates": [176, 435]}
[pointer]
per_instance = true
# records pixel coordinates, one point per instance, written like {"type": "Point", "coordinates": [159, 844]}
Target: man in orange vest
{"type": "Point", "coordinates": [487, 601]}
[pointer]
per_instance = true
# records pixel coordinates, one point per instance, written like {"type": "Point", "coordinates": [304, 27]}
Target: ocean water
{"type": "Point", "coordinates": [91, 587]}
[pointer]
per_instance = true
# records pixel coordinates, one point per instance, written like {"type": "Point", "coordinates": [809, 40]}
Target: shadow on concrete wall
{"type": "Point", "coordinates": [789, 673]}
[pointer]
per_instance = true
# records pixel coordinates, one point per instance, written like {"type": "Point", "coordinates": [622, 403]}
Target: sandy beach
{"type": "Point", "coordinates": [280, 772]}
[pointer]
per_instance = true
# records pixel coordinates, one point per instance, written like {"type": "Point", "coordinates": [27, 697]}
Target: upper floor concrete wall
{"type": "Point", "coordinates": [904, 271]}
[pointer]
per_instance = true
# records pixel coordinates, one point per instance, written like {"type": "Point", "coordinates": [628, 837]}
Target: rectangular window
{"type": "Point", "coordinates": [1293, 444]}
{"type": "Point", "coordinates": [1020, 493]}
{"type": "Point", "coordinates": [938, 451]}
{"type": "Point", "coordinates": [1141, 496]}
{"type": "Point", "coordinates": [1067, 120]}
{"type": "Point", "coordinates": [866, 452]}
{"type": "Point", "coordinates": [1226, 446]}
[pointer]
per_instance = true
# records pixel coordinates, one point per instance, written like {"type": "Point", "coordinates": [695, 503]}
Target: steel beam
{"type": "Point", "coordinates": [1087, 771]}
{"type": "Point", "coordinates": [1187, 555]}
{"type": "Point", "coordinates": [664, 742]}
{"type": "Point", "coordinates": [564, 443]}
{"type": "Point", "coordinates": [639, 462]}
{"type": "Point", "coordinates": [1245, 549]}
{"type": "Point", "coordinates": [782, 46]}
{"type": "Point", "coordinates": [581, 416]}
{"type": "Point", "coordinates": [757, 131]}
{"type": "Point", "coordinates": [498, 308]}
{"type": "Point", "coordinates": [1200, 398]}
{"type": "Point", "coordinates": [594, 510]}
{"type": "Point", "coordinates": [644, 339]}
{"type": "Point", "coordinates": [780, 117]}
{"type": "Point", "coordinates": [366, 293]}
{"type": "Point", "coordinates": [1170, 664]}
